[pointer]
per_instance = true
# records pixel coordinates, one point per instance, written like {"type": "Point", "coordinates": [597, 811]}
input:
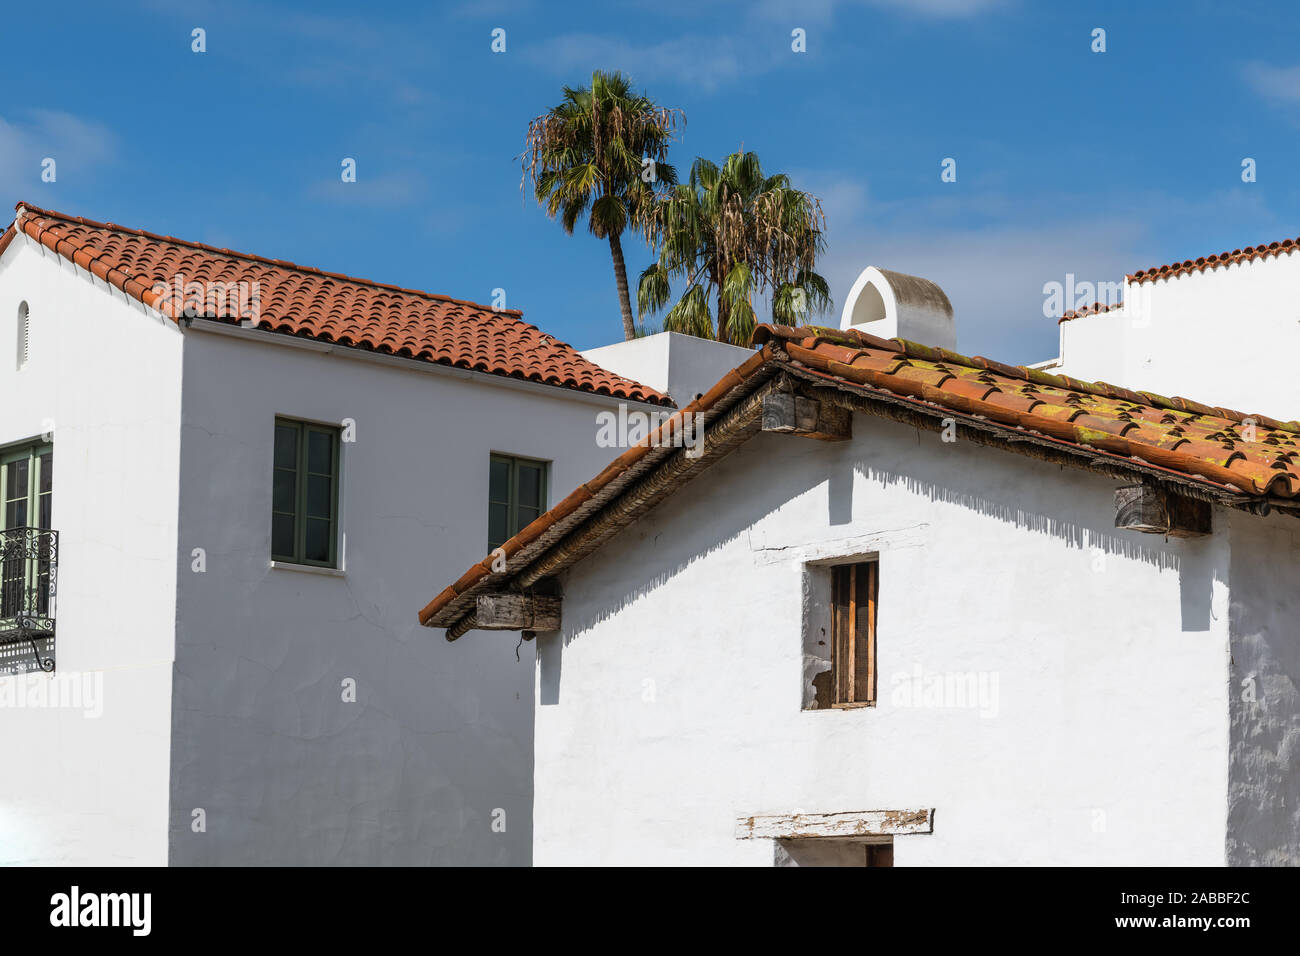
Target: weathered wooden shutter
{"type": "Point", "coordinates": [853, 631]}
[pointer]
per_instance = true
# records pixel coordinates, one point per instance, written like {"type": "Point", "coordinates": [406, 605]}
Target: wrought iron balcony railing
{"type": "Point", "coordinates": [29, 563]}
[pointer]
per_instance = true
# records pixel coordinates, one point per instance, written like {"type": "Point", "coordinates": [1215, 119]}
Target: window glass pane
{"type": "Point", "coordinates": [283, 491]}
{"type": "Point", "coordinates": [16, 495]}
{"type": "Point", "coordinates": [320, 452]}
{"type": "Point", "coordinates": [282, 535]}
{"type": "Point", "coordinates": [530, 486]}
{"type": "Point", "coordinates": [286, 446]}
{"type": "Point", "coordinates": [499, 481]}
{"type": "Point", "coordinates": [498, 527]}
{"type": "Point", "coordinates": [45, 490]}
{"type": "Point", "coordinates": [303, 493]}
{"type": "Point", "coordinates": [516, 492]}
{"type": "Point", "coordinates": [17, 479]}
{"type": "Point", "coordinates": [318, 496]}
{"type": "Point", "coordinates": [318, 540]}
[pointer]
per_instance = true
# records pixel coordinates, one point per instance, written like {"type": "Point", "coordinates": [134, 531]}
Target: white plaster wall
{"type": "Point", "coordinates": [106, 376]}
{"type": "Point", "coordinates": [671, 702]}
{"type": "Point", "coordinates": [1264, 769]}
{"type": "Point", "coordinates": [1202, 335]}
{"type": "Point", "coordinates": [441, 734]}
{"type": "Point", "coordinates": [681, 366]}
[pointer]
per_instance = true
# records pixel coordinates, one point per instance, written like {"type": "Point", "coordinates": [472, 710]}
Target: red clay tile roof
{"type": "Point", "coordinates": [1097, 308]}
{"type": "Point", "coordinates": [1191, 265]}
{"type": "Point", "coordinates": [1212, 262]}
{"type": "Point", "coordinates": [1240, 460]}
{"type": "Point", "coordinates": [299, 300]}
{"type": "Point", "coordinates": [1204, 442]}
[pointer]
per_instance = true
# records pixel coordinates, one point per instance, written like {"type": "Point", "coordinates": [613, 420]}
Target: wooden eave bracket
{"type": "Point", "coordinates": [1153, 510]}
{"type": "Point", "coordinates": [514, 611]}
{"type": "Point", "coordinates": [844, 825]}
{"type": "Point", "coordinates": [790, 413]}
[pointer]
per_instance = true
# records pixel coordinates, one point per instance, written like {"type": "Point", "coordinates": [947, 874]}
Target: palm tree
{"type": "Point", "coordinates": [603, 152]}
{"type": "Point", "coordinates": [732, 232]}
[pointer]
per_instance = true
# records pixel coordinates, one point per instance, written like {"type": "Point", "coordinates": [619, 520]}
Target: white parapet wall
{"type": "Point", "coordinates": [1207, 335]}
{"type": "Point", "coordinates": [683, 366]}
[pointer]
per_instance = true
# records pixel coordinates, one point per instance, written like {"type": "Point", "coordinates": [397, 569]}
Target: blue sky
{"type": "Point", "coordinates": [1068, 161]}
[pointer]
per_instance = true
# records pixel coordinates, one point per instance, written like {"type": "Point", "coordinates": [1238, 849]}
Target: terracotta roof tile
{"type": "Point", "coordinates": [1208, 443]}
{"type": "Point", "coordinates": [1200, 264]}
{"type": "Point", "coordinates": [1285, 246]}
{"type": "Point", "coordinates": [1095, 309]}
{"type": "Point", "coordinates": [326, 306]}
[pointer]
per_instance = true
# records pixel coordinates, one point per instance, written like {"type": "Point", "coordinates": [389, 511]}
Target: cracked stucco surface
{"type": "Point", "coordinates": [1264, 696]}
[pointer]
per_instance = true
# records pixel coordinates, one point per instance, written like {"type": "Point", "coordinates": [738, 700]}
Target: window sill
{"type": "Point", "coordinates": [855, 705]}
{"type": "Point", "coordinates": [309, 568]}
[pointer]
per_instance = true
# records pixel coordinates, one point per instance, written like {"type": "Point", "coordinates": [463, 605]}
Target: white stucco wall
{"type": "Point", "coordinates": [106, 377]}
{"type": "Point", "coordinates": [671, 702]}
{"type": "Point", "coordinates": [1202, 335]}
{"type": "Point", "coordinates": [441, 734]}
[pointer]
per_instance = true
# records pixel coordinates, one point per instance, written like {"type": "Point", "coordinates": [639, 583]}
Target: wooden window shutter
{"type": "Point", "coordinates": [853, 633]}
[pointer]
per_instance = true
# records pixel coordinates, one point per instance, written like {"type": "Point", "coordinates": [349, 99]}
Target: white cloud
{"type": "Point", "coordinates": [710, 61]}
{"type": "Point", "coordinates": [704, 61]}
{"type": "Point", "coordinates": [78, 147]}
{"type": "Point", "coordinates": [385, 189]}
{"type": "Point", "coordinates": [1278, 83]}
{"type": "Point", "coordinates": [941, 9]}
{"type": "Point", "coordinates": [993, 253]}
{"type": "Point", "coordinates": [993, 277]}
{"type": "Point", "coordinates": [820, 11]}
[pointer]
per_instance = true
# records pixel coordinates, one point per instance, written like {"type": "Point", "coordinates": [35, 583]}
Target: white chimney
{"type": "Point", "coordinates": [895, 305]}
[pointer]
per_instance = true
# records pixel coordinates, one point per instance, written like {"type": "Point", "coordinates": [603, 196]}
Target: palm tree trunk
{"type": "Point", "coordinates": [723, 316]}
{"type": "Point", "coordinates": [620, 277]}
{"type": "Point", "coordinates": [718, 275]}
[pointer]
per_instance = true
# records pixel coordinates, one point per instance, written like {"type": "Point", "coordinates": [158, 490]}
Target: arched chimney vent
{"type": "Point", "coordinates": [896, 305]}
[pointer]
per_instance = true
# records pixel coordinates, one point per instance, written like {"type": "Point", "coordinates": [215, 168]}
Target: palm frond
{"type": "Point", "coordinates": [732, 231]}
{"type": "Point", "coordinates": [691, 314]}
{"type": "Point", "coordinates": [653, 290]}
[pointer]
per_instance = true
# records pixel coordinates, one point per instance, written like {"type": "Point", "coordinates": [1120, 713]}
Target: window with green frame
{"type": "Point", "coordinates": [305, 494]}
{"type": "Point", "coordinates": [516, 495]}
{"type": "Point", "coordinates": [26, 501]}
{"type": "Point", "coordinates": [26, 486]}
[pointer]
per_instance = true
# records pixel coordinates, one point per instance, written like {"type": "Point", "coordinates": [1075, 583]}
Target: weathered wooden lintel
{"type": "Point", "coordinates": [844, 825]}
{"type": "Point", "coordinates": [512, 611]}
{"type": "Point", "coordinates": [1153, 510]}
{"type": "Point", "coordinates": [790, 413]}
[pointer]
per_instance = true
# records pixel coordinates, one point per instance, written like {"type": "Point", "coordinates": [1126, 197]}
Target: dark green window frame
{"type": "Point", "coordinates": [27, 506]}
{"type": "Point", "coordinates": [516, 495]}
{"type": "Point", "coordinates": [26, 501]}
{"type": "Point", "coordinates": [304, 510]}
